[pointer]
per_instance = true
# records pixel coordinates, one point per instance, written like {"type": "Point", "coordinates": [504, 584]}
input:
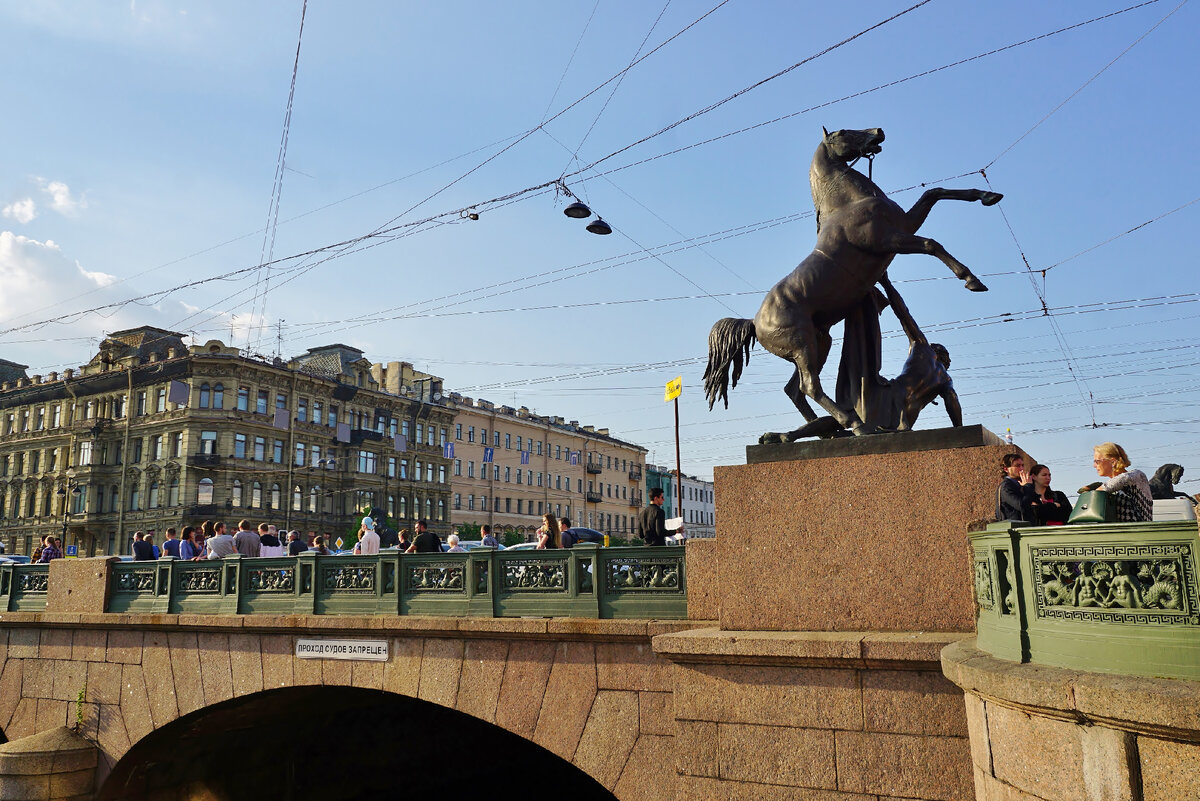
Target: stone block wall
{"type": "Point", "coordinates": [828, 716]}
{"type": "Point", "coordinates": [1050, 734]}
{"type": "Point", "coordinates": [591, 691]}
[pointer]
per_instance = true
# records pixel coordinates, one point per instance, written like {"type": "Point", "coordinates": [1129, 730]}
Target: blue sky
{"type": "Point", "coordinates": [141, 145]}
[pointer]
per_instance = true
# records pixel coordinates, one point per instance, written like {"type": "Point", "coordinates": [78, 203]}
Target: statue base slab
{"type": "Point", "coordinates": [862, 534]}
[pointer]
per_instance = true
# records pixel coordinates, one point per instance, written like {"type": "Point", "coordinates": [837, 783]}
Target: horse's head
{"type": "Point", "coordinates": [849, 145]}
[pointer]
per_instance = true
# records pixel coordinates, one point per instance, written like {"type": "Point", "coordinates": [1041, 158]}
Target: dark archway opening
{"type": "Point", "coordinates": [333, 743]}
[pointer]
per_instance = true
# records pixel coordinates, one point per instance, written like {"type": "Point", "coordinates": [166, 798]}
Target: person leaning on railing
{"type": "Point", "coordinates": [1130, 489]}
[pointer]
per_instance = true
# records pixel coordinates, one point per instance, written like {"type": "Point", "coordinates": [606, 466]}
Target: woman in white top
{"type": "Point", "coordinates": [1130, 489]}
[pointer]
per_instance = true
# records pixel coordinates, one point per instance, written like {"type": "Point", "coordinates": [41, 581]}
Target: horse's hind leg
{"type": "Point", "coordinates": [920, 210]}
{"type": "Point", "coordinates": [794, 392]}
{"type": "Point", "coordinates": [900, 242]}
{"type": "Point", "coordinates": [809, 382]}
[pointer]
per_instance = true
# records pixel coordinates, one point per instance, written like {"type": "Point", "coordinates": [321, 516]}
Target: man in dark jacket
{"type": "Point", "coordinates": [1010, 494]}
{"type": "Point", "coordinates": [142, 550]}
{"type": "Point", "coordinates": [653, 520]}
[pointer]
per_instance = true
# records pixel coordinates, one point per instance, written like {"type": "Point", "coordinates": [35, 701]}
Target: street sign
{"type": "Point", "coordinates": [674, 390]}
{"type": "Point", "coordinates": [339, 543]}
{"type": "Point", "coordinates": [72, 551]}
{"type": "Point", "coordinates": [488, 454]}
{"type": "Point", "coordinates": [448, 450]}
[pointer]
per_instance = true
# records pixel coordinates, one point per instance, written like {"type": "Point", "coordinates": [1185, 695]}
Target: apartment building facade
{"type": "Point", "coordinates": [512, 465]}
{"type": "Point", "coordinates": [151, 434]}
{"type": "Point", "coordinates": [697, 505]}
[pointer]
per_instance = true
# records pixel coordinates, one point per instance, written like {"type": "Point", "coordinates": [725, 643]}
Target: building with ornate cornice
{"type": "Point", "coordinates": [512, 465]}
{"type": "Point", "coordinates": [152, 434]}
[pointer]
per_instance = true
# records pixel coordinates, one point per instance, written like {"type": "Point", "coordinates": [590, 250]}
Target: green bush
{"type": "Point", "coordinates": [511, 538]}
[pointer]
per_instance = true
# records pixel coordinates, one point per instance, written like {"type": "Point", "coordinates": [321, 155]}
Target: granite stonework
{"type": "Point", "coordinates": [855, 534]}
{"type": "Point", "coordinates": [1051, 734]}
{"type": "Point", "coordinates": [837, 716]}
{"type": "Point", "coordinates": [56, 764]}
{"type": "Point", "coordinates": [599, 696]}
{"type": "Point", "coordinates": [79, 585]}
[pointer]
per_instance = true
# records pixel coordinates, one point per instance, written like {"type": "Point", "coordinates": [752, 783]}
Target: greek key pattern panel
{"type": "Point", "coordinates": [643, 575]}
{"type": "Point", "coordinates": [206, 581]}
{"type": "Point", "coordinates": [436, 577]}
{"type": "Point", "coordinates": [1152, 584]}
{"type": "Point", "coordinates": [534, 575]}
{"type": "Point", "coordinates": [135, 581]}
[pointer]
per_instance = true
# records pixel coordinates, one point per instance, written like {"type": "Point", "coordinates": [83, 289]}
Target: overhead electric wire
{"type": "Point", "coordinates": [539, 188]}
{"type": "Point", "coordinates": [570, 61]}
{"type": "Point", "coordinates": [1083, 86]}
{"type": "Point", "coordinates": [607, 100]}
{"type": "Point", "coordinates": [268, 245]}
{"type": "Point", "coordinates": [879, 87]}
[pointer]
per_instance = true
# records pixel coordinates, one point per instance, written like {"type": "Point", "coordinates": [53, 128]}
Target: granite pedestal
{"type": "Point", "coordinates": [855, 534]}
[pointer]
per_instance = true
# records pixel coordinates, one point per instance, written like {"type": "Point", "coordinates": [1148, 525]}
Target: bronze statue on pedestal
{"type": "Point", "coordinates": [859, 232]}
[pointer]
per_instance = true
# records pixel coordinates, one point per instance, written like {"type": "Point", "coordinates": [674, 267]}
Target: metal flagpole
{"type": "Point", "coordinates": [674, 390]}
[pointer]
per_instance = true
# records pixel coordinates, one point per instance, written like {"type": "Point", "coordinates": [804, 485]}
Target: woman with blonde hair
{"type": "Point", "coordinates": [548, 534]}
{"type": "Point", "coordinates": [1130, 489]}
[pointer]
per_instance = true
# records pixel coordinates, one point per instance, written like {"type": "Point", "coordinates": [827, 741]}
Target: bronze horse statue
{"type": "Point", "coordinates": [859, 231]}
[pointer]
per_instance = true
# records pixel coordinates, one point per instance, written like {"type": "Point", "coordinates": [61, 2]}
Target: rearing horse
{"type": "Point", "coordinates": [859, 232]}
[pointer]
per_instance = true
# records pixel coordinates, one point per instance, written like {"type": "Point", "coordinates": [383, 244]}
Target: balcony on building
{"type": "Point", "coordinates": [204, 459]}
{"type": "Point", "coordinates": [594, 467]}
{"type": "Point", "coordinates": [594, 497]}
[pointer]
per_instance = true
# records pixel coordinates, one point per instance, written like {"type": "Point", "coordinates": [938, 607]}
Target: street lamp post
{"type": "Point", "coordinates": [73, 490]}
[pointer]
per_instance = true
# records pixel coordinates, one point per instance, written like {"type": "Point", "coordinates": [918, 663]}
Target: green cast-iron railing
{"type": "Point", "coordinates": [23, 588]}
{"type": "Point", "coordinates": [584, 581]}
{"type": "Point", "coordinates": [1112, 597]}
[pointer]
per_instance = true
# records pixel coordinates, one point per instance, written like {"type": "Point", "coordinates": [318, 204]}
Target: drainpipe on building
{"type": "Point", "coordinates": [290, 457]}
{"type": "Point", "coordinates": [124, 456]}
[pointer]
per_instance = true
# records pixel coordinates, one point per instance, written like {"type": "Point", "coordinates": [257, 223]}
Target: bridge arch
{"type": "Point", "coordinates": [592, 692]}
{"type": "Point", "coordinates": [335, 742]}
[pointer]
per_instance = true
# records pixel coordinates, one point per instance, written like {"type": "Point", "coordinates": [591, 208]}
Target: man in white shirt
{"type": "Point", "coordinates": [368, 540]}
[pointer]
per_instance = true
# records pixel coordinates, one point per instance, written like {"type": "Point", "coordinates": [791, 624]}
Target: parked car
{"type": "Point", "coordinates": [587, 535]}
{"type": "Point", "coordinates": [17, 558]}
{"type": "Point", "coordinates": [1174, 509]}
{"type": "Point", "coordinates": [471, 545]}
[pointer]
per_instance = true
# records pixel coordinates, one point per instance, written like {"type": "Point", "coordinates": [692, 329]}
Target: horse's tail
{"type": "Point", "coordinates": [729, 343]}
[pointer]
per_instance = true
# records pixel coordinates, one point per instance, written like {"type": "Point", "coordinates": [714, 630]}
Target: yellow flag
{"type": "Point", "coordinates": [674, 390]}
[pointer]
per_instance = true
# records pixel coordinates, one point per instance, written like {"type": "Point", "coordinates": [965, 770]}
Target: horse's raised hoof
{"type": "Point", "coordinates": [862, 429]}
{"type": "Point", "coordinates": [771, 438]}
{"type": "Point", "coordinates": [990, 198]}
{"type": "Point", "coordinates": [975, 285]}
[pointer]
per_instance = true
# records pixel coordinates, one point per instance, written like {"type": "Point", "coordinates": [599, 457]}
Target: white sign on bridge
{"type": "Point", "coordinates": [368, 650]}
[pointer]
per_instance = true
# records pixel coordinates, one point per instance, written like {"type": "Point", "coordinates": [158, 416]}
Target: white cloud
{"type": "Point", "coordinates": [23, 211]}
{"type": "Point", "coordinates": [40, 282]}
{"type": "Point", "coordinates": [61, 199]}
